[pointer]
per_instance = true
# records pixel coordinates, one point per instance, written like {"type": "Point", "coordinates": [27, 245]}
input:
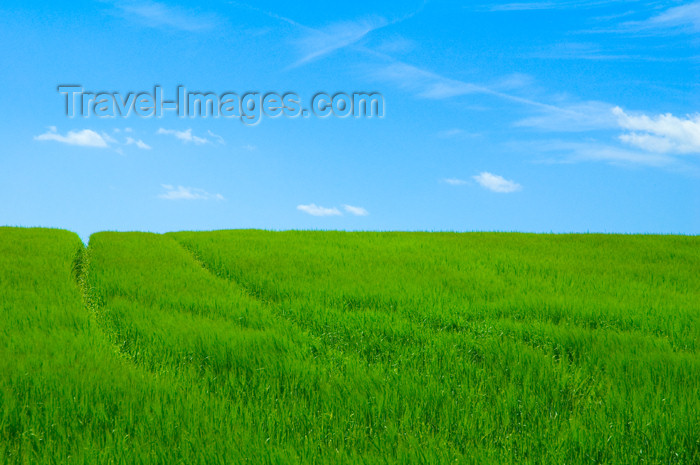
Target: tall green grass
{"type": "Point", "coordinates": [328, 347]}
{"type": "Point", "coordinates": [64, 396]}
{"type": "Point", "coordinates": [564, 349]}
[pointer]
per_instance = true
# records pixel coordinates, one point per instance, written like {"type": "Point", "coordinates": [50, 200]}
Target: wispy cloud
{"type": "Point", "coordinates": [558, 151]}
{"type": "Point", "coordinates": [395, 44]}
{"type": "Point", "coordinates": [138, 143]}
{"type": "Point", "coordinates": [616, 155]}
{"type": "Point", "coordinates": [187, 193]}
{"type": "Point", "coordinates": [661, 133]}
{"type": "Point", "coordinates": [216, 137]}
{"type": "Point", "coordinates": [82, 138]}
{"type": "Point", "coordinates": [677, 19]}
{"type": "Point", "coordinates": [455, 181]}
{"type": "Point", "coordinates": [426, 84]}
{"type": "Point", "coordinates": [318, 43]}
{"type": "Point", "coordinates": [496, 183]}
{"type": "Point", "coordinates": [315, 43]}
{"type": "Point", "coordinates": [357, 211]}
{"type": "Point", "coordinates": [155, 14]}
{"type": "Point", "coordinates": [447, 133]}
{"type": "Point", "coordinates": [185, 136]}
{"type": "Point", "coordinates": [523, 6]}
{"type": "Point", "coordinates": [315, 210]}
{"type": "Point", "coordinates": [620, 51]}
{"type": "Point", "coordinates": [573, 117]}
{"type": "Point", "coordinates": [456, 133]}
{"type": "Point", "coordinates": [529, 6]}
{"type": "Point", "coordinates": [585, 51]}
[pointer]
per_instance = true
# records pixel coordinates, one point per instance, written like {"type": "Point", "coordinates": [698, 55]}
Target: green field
{"type": "Point", "coordinates": [335, 347]}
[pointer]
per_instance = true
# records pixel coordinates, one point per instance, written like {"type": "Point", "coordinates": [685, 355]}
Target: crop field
{"type": "Point", "coordinates": [249, 346]}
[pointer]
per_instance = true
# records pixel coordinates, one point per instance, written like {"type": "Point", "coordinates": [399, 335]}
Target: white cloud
{"type": "Point", "coordinates": [315, 210]}
{"type": "Point", "coordinates": [187, 193]}
{"type": "Point", "coordinates": [655, 139]}
{"type": "Point", "coordinates": [184, 136]}
{"type": "Point", "coordinates": [496, 183]}
{"type": "Point", "coordinates": [454, 181]}
{"type": "Point", "coordinates": [138, 143]}
{"type": "Point", "coordinates": [663, 133]}
{"type": "Point", "coordinates": [83, 138]}
{"type": "Point", "coordinates": [249, 147]}
{"type": "Point", "coordinates": [154, 14]}
{"type": "Point", "coordinates": [90, 138]}
{"type": "Point", "coordinates": [648, 142]}
{"type": "Point", "coordinates": [357, 211]}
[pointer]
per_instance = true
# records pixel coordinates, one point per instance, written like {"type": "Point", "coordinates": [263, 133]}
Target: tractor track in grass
{"type": "Point", "coordinates": [276, 307]}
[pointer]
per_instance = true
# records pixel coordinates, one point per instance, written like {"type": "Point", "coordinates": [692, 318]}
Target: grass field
{"type": "Point", "coordinates": [331, 347]}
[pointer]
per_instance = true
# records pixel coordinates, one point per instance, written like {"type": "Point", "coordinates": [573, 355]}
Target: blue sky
{"type": "Point", "coordinates": [567, 116]}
